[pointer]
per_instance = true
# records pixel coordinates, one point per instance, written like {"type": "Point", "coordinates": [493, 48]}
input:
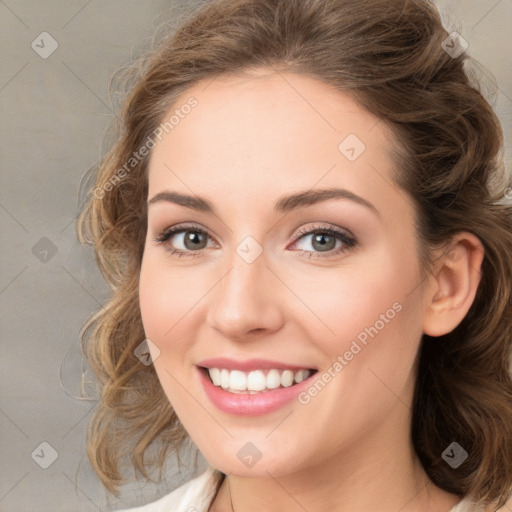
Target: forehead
{"type": "Point", "coordinates": [253, 137]}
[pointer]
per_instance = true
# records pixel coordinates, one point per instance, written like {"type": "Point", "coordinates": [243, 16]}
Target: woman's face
{"type": "Point", "coordinates": [312, 300]}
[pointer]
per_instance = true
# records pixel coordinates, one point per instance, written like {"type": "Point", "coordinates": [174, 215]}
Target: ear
{"type": "Point", "coordinates": [453, 285]}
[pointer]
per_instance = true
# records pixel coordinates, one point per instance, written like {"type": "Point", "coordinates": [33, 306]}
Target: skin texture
{"type": "Point", "coordinates": [250, 140]}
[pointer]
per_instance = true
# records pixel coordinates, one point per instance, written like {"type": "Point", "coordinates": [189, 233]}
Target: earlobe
{"type": "Point", "coordinates": [453, 285]}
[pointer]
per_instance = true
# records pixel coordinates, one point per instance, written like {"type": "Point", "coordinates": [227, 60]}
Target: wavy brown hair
{"type": "Point", "coordinates": [389, 57]}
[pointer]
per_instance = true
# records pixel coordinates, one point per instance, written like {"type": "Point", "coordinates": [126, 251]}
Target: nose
{"type": "Point", "coordinates": [246, 301]}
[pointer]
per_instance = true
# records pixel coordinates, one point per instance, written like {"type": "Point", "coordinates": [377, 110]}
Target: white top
{"type": "Point", "coordinates": [196, 496]}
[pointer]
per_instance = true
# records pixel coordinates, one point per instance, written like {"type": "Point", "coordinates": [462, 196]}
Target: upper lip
{"type": "Point", "coordinates": [250, 364]}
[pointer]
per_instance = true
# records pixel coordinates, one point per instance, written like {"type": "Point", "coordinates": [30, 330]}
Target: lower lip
{"type": "Point", "coordinates": [256, 404]}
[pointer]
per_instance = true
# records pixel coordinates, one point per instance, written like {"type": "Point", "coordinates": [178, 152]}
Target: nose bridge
{"type": "Point", "coordinates": [246, 296]}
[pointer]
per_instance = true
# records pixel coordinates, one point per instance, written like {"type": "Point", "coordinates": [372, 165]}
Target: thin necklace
{"type": "Point", "coordinates": [230, 498]}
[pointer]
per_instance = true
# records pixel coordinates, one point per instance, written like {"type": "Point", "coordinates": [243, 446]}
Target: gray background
{"type": "Point", "coordinates": [55, 111]}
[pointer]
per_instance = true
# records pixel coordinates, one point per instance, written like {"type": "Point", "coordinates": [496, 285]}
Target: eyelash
{"type": "Point", "coordinates": [348, 241]}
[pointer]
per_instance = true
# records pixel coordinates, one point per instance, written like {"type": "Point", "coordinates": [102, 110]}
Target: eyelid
{"type": "Point", "coordinates": [176, 228]}
{"type": "Point", "coordinates": [324, 228]}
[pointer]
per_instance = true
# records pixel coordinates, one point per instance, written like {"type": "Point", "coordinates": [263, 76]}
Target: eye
{"type": "Point", "coordinates": [191, 238]}
{"type": "Point", "coordinates": [324, 239]}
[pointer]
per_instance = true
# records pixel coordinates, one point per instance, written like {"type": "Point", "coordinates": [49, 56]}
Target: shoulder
{"type": "Point", "coordinates": [466, 505]}
{"type": "Point", "coordinates": [193, 496]}
{"type": "Point", "coordinates": [506, 508]}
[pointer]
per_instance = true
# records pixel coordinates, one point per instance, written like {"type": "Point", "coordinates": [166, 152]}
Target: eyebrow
{"type": "Point", "coordinates": [284, 204]}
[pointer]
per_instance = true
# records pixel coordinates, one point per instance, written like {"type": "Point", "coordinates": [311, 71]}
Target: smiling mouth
{"type": "Point", "coordinates": [256, 381]}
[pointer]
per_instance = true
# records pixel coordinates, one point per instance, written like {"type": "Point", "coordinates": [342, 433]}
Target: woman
{"type": "Point", "coordinates": [304, 226]}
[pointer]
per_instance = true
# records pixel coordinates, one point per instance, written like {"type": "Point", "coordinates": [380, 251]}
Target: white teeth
{"type": "Point", "coordinates": [256, 381]}
{"type": "Point", "coordinates": [215, 375]}
{"type": "Point", "coordinates": [287, 378]}
{"type": "Point", "coordinates": [224, 378]}
{"type": "Point", "coordinates": [273, 379]}
{"type": "Point", "coordinates": [237, 381]}
{"type": "Point", "coordinates": [301, 375]}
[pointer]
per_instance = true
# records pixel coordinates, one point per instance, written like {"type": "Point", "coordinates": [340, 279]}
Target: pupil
{"type": "Point", "coordinates": [320, 239]}
{"type": "Point", "coordinates": [194, 238]}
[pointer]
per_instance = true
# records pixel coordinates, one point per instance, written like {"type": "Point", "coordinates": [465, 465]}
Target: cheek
{"type": "Point", "coordinates": [377, 321]}
{"type": "Point", "coordinates": [168, 300]}
{"type": "Point", "coordinates": [161, 307]}
{"type": "Point", "coordinates": [363, 300]}
{"type": "Point", "coordinates": [166, 295]}
{"type": "Point", "coordinates": [370, 347]}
